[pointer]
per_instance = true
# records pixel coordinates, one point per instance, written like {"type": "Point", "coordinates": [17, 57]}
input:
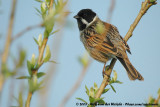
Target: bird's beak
{"type": "Point", "coordinates": [76, 16]}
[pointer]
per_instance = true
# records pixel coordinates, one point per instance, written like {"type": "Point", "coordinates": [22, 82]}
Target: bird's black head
{"type": "Point", "coordinates": [84, 18]}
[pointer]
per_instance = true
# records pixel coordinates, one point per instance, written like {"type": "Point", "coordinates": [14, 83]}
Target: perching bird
{"type": "Point", "coordinates": [103, 41]}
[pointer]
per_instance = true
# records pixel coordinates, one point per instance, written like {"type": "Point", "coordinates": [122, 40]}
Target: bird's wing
{"type": "Point", "coordinates": [113, 39]}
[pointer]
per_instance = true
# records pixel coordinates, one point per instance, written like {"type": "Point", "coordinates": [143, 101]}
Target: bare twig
{"type": "Point", "coordinates": [51, 4]}
{"type": "Point", "coordinates": [110, 10]}
{"type": "Point", "coordinates": [7, 43]}
{"type": "Point", "coordinates": [145, 6]}
{"type": "Point", "coordinates": [29, 99]}
{"type": "Point", "coordinates": [26, 30]}
{"type": "Point", "coordinates": [105, 79]}
{"type": "Point", "coordinates": [10, 29]}
{"type": "Point", "coordinates": [76, 85]}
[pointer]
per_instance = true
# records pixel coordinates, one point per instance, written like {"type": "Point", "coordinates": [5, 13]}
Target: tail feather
{"type": "Point", "coordinates": [131, 71]}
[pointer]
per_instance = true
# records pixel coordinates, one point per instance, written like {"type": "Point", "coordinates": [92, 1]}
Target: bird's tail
{"type": "Point", "coordinates": [131, 71]}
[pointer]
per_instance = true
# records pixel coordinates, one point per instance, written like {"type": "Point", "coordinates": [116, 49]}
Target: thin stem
{"type": "Point", "coordinates": [105, 80]}
{"type": "Point", "coordinates": [145, 6]}
{"type": "Point", "coordinates": [76, 85]}
{"type": "Point", "coordinates": [26, 30]}
{"type": "Point", "coordinates": [10, 29]}
{"type": "Point", "coordinates": [5, 53]}
{"type": "Point", "coordinates": [110, 11]}
{"type": "Point", "coordinates": [41, 52]}
{"type": "Point", "coordinates": [51, 4]}
{"type": "Point", "coordinates": [40, 61]}
{"type": "Point", "coordinates": [29, 99]}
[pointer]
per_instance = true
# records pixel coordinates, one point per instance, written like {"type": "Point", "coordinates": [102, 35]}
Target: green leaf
{"type": "Point", "coordinates": [40, 74]}
{"type": "Point", "coordinates": [105, 90]}
{"type": "Point", "coordinates": [117, 81]}
{"type": "Point", "coordinates": [33, 60]}
{"type": "Point", "coordinates": [23, 77]}
{"type": "Point", "coordinates": [43, 7]}
{"type": "Point", "coordinates": [87, 90]}
{"type": "Point", "coordinates": [91, 92]}
{"type": "Point", "coordinates": [111, 81]}
{"type": "Point", "coordinates": [47, 54]}
{"type": "Point", "coordinates": [39, 12]}
{"type": "Point", "coordinates": [22, 56]}
{"type": "Point", "coordinates": [29, 66]}
{"type": "Point", "coordinates": [55, 32]}
{"type": "Point", "coordinates": [53, 62]}
{"type": "Point", "coordinates": [91, 99]}
{"type": "Point", "coordinates": [36, 40]}
{"type": "Point", "coordinates": [113, 88]}
{"type": "Point", "coordinates": [39, 1]}
{"type": "Point", "coordinates": [115, 75]}
{"type": "Point", "coordinates": [40, 40]}
{"type": "Point", "coordinates": [46, 34]}
{"type": "Point", "coordinates": [98, 99]}
{"type": "Point", "coordinates": [49, 24]}
{"type": "Point", "coordinates": [95, 87]}
{"type": "Point", "coordinates": [94, 100]}
{"type": "Point", "coordinates": [151, 100]}
{"type": "Point", "coordinates": [81, 100]}
{"type": "Point", "coordinates": [153, 1]}
{"type": "Point", "coordinates": [48, 1]}
{"type": "Point", "coordinates": [101, 101]}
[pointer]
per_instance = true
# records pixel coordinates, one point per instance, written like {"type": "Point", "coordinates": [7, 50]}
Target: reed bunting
{"type": "Point", "coordinates": [103, 41]}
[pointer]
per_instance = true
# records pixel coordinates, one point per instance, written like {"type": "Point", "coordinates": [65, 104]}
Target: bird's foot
{"type": "Point", "coordinates": [105, 68]}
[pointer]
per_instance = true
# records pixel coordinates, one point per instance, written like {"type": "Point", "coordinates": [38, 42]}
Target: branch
{"type": "Point", "coordinates": [10, 29]}
{"type": "Point", "coordinates": [41, 52]}
{"type": "Point", "coordinates": [5, 53]}
{"type": "Point", "coordinates": [145, 6]}
{"type": "Point", "coordinates": [28, 99]}
{"type": "Point", "coordinates": [40, 61]}
{"type": "Point", "coordinates": [105, 79]}
{"type": "Point", "coordinates": [110, 11]}
{"type": "Point", "coordinates": [26, 30]}
{"type": "Point", "coordinates": [76, 85]}
{"type": "Point", "coordinates": [51, 4]}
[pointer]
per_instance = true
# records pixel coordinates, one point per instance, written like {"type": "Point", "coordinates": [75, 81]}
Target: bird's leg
{"type": "Point", "coordinates": [104, 69]}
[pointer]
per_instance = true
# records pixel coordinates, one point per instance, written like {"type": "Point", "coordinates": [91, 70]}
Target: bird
{"type": "Point", "coordinates": [103, 41]}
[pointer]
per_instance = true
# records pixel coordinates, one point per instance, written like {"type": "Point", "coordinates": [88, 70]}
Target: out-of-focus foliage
{"type": "Point", "coordinates": [93, 90]}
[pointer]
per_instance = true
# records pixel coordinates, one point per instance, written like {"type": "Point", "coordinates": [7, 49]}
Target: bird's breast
{"type": "Point", "coordinates": [91, 42]}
